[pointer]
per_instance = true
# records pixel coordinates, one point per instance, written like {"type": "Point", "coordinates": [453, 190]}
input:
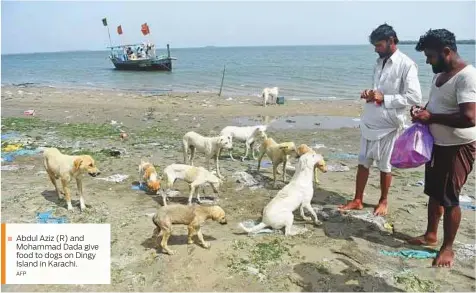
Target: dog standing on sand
{"type": "Point", "coordinates": [269, 93]}
{"type": "Point", "coordinates": [210, 146]}
{"type": "Point", "coordinates": [67, 168]}
{"type": "Point", "coordinates": [249, 134]}
{"type": "Point", "coordinates": [196, 177]}
{"type": "Point", "coordinates": [192, 216]}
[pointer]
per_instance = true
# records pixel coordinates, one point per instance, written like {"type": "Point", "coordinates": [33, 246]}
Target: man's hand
{"type": "Point", "coordinates": [414, 110]}
{"type": "Point", "coordinates": [365, 94]}
{"type": "Point", "coordinates": [375, 96]}
{"type": "Point", "coordinates": [422, 116]}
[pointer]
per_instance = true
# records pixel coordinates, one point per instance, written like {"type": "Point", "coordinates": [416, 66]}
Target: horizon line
{"type": "Point", "coordinates": [402, 42]}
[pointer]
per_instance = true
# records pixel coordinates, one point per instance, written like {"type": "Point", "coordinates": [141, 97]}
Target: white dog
{"type": "Point", "coordinates": [278, 213]}
{"type": "Point", "coordinates": [269, 92]}
{"type": "Point", "coordinates": [195, 176]}
{"type": "Point", "coordinates": [248, 134]}
{"type": "Point", "coordinates": [210, 146]}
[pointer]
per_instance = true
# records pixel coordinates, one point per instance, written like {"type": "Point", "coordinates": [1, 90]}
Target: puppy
{"type": "Point", "coordinates": [66, 168]}
{"type": "Point", "coordinates": [248, 134]}
{"type": "Point", "coordinates": [195, 176]}
{"type": "Point", "coordinates": [304, 149]}
{"type": "Point", "coordinates": [210, 146]}
{"type": "Point", "coordinates": [148, 174]}
{"type": "Point", "coordinates": [278, 213]}
{"type": "Point", "coordinates": [277, 153]}
{"type": "Point", "coordinates": [192, 216]}
{"type": "Point", "coordinates": [269, 92]}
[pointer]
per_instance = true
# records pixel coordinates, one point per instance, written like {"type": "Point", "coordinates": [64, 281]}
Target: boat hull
{"type": "Point", "coordinates": [144, 65]}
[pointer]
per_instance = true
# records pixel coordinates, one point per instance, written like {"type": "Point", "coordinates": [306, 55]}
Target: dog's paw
{"type": "Point", "coordinates": [170, 252]}
{"type": "Point", "coordinates": [307, 218]}
{"type": "Point", "coordinates": [206, 245]}
{"type": "Point", "coordinates": [83, 208]}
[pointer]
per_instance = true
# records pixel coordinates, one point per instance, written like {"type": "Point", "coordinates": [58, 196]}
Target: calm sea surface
{"type": "Point", "coordinates": [303, 72]}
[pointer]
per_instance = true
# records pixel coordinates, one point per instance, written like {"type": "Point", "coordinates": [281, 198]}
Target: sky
{"type": "Point", "coordinates": [38, 26]}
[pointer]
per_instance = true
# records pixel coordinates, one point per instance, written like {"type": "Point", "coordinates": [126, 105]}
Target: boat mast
{"type": "Point", "coordinates": [104, 22]}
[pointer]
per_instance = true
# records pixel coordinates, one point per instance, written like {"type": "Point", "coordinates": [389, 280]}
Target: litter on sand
{"type": "Point", "coordinates": [337, 168]}
{"type": "Point", "coordinates": [115, 178]}
{"type": "Point", "coordinates": [142, 187]}
{"type": "Point", "coordinates": [343, 156]}
{"type": "Point", "coordinates": [465, 198]}
{"type": "Point", "coordinates": [17, 167]}
{"type": "Point", "coordinates": [318, 146]}
{"type": "Point", "coordinates": [377, 221]}
{"type": "Point", "coordinates": [465, 251]}
{"type": "Point", "coordinates": [246, 180]}
{"type": "Point", "coordinates": [47, 218]}
{"type": "Point", "coordinates": [411, 253]}
{"type": "Point", "coordinates": [419, 183]}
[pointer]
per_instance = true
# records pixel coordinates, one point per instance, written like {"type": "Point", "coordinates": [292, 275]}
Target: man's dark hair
{"type": "Point", "coordinates": [437, 40]}
{"type": "Point", "coordinates": [383, 33]}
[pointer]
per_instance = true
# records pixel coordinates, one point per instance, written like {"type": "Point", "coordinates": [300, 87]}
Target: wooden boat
{"type": "Point", "coordinates": [140, 57]}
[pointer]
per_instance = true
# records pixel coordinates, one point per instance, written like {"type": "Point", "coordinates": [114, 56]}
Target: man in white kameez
{"type": "Point", "coordinates": [395, 88]}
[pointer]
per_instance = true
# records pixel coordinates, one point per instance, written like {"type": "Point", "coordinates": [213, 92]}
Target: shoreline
{"type": "Point", "coordinates": [225, 94]}
{"type": "Point", "coordinates": [61, 104]}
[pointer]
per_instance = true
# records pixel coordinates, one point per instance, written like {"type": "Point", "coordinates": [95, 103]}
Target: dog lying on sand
{"type": "Point", "coordinates": [192, 216]}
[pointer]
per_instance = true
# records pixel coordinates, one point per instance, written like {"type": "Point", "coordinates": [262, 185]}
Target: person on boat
{"type": "Point", "coordinates": [395, 86]}
{"type": "Point", "coordinates": [450, 114]}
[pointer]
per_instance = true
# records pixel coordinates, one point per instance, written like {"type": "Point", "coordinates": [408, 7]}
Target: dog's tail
{"type": "Point", "coordinates": [254, 229]}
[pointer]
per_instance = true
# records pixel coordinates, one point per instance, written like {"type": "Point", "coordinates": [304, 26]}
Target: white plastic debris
{"type": "Point", "coordinates": [337, 168]}
{"type": "Point", "coordinates": [115, 178]}
{"type": "Point", "coordinates": [465, 198]}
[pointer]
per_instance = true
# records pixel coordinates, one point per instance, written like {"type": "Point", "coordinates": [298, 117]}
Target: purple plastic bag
{"type": "Point", "coordinates": [413, 148]}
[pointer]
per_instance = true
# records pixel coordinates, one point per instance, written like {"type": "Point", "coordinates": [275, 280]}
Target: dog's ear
{"type": "Point", "coordinates": [77, 163]}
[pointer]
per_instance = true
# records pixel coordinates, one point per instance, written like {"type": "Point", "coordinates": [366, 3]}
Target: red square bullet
{"type": "Point", "coordinates": [9, 238]}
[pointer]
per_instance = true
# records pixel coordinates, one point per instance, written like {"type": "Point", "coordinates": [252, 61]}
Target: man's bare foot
{"type": "Point", "coordinates": [444, 259]}
{"type": "Point", "coordinates": [381, 208]}
{"type": "Point", "coordinates": [352, 205]}
{"type": "Point", "coordinates": [423, 240]}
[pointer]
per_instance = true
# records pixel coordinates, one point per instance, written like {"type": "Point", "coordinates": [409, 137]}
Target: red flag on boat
{"type": "Point", "coordinates": [119, 30]}
{"type": "Point", "coordinates": [145, 29]}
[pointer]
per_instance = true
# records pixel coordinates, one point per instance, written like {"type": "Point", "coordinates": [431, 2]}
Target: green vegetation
{"type": "Point", "coordinates": [260, 256]}
{"type": "Point", "coordinates": [83, 130]}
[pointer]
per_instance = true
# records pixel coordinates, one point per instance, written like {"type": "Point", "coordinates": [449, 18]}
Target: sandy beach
{"type": "Point", "coordinates": [349, 252]}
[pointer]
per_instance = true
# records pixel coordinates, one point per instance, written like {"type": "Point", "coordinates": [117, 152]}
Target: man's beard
{"type": "Point", "coordinates": [387, 52]}
{"type": "Point", "coordinates": [440, 66]}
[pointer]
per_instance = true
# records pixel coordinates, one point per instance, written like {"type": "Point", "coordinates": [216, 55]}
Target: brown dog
{"type": "Point", "coordinates": [192, 216]}
{"type": "Point", "coordinates": [66, 168]}
{"type": "Point", "coordinates": [278, 153]}
{"type": "Point", "coordinates": [148, 174]}
{"type": "Point", "coordinates": [304, 149]}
